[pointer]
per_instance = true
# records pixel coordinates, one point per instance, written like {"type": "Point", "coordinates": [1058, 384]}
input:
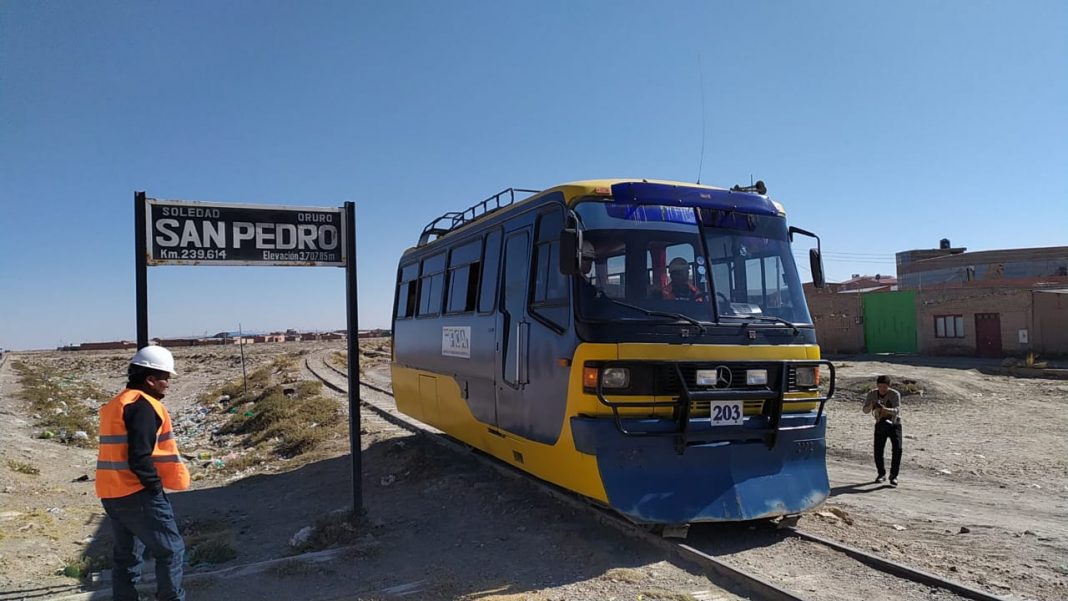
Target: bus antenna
{"type": "Point", "coordinates": [701, 80]}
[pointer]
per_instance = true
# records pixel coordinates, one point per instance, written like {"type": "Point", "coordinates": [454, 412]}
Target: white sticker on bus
{"type": "Point", "coordinates": [456, 341]}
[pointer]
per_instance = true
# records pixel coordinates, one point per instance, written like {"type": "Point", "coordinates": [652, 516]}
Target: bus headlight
{"type": "Point", "coordinates": [615, 377]}
{"type": "Point", "coordinates": [807, 377]}
{"type": "Point", "coordinates": [756, 377]}
{"type": "Point", "coordinates": [706, 377]}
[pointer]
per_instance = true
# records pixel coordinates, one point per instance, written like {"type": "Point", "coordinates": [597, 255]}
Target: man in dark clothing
{"type": "Point", "coordinates": [138, 458]}
{"type": "Point", "coordinates": [884, 403]}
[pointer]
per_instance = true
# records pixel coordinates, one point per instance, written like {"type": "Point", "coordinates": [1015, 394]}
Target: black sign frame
{"type": "Point", "coordinates": [346, 244]}
{"type": "Point", "coordinates": [183, 232]}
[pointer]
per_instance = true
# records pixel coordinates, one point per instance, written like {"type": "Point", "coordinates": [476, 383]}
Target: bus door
{"type": "Point", "coordinates": [514, 328]}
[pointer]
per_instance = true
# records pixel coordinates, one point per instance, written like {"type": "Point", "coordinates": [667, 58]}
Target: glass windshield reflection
{"type": "Point", "coordinates": [648, 262]}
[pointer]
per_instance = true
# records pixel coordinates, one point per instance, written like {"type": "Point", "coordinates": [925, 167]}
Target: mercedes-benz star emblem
{"type": "Point", "coordinates": [723, 377]}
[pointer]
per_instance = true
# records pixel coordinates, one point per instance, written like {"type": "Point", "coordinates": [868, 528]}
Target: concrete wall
{"type": "Point", "coordinates": [269, 338]}
{"type": "Point", "coordinates": [1051, 323]}
{"type": "Point", "coordinates": [97, 346]}
{"type": "Point", "coordinates": [1012, 305]}
{"type": "Point", "coordinates": [839, 327]}
{"type": "Point", "coordinates": [173, 342]}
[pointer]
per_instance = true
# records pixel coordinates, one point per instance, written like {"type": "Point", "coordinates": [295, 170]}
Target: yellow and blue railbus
{"type": "Point", "coordinates": [644, 343]}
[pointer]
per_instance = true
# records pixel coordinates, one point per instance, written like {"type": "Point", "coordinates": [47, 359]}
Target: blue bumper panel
{"type": "Point", "coordinates": [647, 480]}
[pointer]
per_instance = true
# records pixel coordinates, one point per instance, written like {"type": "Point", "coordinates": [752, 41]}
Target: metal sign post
{"type": "Point", "coordinates": [353, 324]}
{"type": "Point", "coordinates": [141, 269]}
{"type": "Point", "coordinates": [179, 232]}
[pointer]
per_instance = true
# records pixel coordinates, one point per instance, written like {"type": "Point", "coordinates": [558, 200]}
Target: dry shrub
{"type": "Point", "coordinates": [84, 564]}
{"type": "Point", "coordinates": [662, 595]}
{"type": "Point", "coordinates": [280, 409]}
{"type": "Point", "coordinates": [214, 551]}
{"type": "Point", "coordinates": [281, 370]}
{"type": "Point", "coordinates": [46, 392]}
{"type": "Point", "coordinates": [627, 575]}
{"type": "Point", "coordinates": [23, 468]}
{"type": "Point", "coordinates": [336, 529]}
{"type": "Point", "coordinates": [209, 541]}
{"type": "Point", "coordinates": [340, 359]}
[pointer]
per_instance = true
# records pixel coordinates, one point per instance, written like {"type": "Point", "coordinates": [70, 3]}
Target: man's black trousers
{"type": "Point", "coordinates": [885, 429]}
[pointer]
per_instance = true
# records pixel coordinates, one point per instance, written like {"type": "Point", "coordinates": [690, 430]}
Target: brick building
{"type": "Point", "coordinates": [112, 345]}
{"type": "Point", "coordinates": [948, 301]}
{"type": "Point", "coordinates": [989, 303]}
{"type": "Point", "coordinates": [839, 321]}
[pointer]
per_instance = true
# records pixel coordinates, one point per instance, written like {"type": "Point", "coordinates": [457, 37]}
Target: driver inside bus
{"type": "Point", "coordinates": [588, 289]}
{"type": "Point", "coordinates": [679, 286]}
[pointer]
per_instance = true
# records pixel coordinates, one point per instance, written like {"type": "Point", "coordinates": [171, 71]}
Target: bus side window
{"type": "Point", "coordinates": [550, 297]}
{"type": "Point", "coordinates": [408, 291]}
{"type": "Point", "coordinates": [431, 285]}
{"type": "Point", "coordinates": [487, 293]}
{"type": "Point", "coordinates": [463, 277]}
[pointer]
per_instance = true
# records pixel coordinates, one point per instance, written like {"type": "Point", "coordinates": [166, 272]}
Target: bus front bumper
{"type": "Point", "coordinates": [724, 474]}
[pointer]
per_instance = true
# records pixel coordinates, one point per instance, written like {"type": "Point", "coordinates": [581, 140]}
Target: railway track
{"type": "Point", "coordinates": [706, 543]}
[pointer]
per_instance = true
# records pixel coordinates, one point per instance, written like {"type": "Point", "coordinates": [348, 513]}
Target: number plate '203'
{"type": "Point", "coordinates": [726, 413]}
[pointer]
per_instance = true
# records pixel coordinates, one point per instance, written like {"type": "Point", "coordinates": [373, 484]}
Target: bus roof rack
{"type": "Point", "coordinates": [456, 219]}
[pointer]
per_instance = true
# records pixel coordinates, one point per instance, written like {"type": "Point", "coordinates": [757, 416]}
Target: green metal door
{"type": "Point", "coordinates": [890, 322]}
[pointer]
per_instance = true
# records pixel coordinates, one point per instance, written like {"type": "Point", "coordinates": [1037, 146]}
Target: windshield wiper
{"type": "Point", "coordinates": [652, 313]}
{"type": "Point", "coordinates": [764, 318]}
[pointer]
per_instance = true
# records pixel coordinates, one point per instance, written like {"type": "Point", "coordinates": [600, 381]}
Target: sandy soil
{"type": "Point", "coordinates": [986, 453]}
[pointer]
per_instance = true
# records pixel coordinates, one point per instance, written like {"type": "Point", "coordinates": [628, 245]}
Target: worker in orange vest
{"type": "Point", "coordinates": [138, 458]}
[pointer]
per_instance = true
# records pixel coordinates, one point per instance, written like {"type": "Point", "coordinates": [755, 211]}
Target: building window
{"type": "Point", "coordinates": [949, 326]}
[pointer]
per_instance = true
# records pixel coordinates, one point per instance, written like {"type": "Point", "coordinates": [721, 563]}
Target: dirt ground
{"type": "Point", "coordinates": [983, 496]}
{"type": "Point", "coordinates": [439, 526]}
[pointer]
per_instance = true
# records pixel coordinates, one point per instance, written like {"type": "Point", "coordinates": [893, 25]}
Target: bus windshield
{"type": "Point", "coordinates": [667, 263]}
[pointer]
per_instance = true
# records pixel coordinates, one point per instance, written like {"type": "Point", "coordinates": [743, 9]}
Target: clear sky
{"type": "Point", "coordinates": [881, 126]}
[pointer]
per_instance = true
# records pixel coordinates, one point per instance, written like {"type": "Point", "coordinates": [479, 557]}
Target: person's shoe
{"type": "Point", "coordinates": [880, 478]}
{"type": "Point", "coordinates": [893, 481]}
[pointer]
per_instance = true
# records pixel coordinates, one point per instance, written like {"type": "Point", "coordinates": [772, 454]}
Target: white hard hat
{"type": "Point", "coordinates": [155, 357]}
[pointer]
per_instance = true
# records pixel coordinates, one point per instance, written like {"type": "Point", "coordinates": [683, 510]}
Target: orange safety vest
{"type": "Point", "coordinates": [669, 294]}
{"type": "Point", "coordinates": [113, 475]}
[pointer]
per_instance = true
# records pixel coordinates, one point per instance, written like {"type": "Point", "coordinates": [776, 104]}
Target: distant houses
{"type": "Point", "coordinates": [226, 338]}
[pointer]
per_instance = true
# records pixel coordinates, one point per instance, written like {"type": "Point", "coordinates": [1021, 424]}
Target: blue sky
{"type": "Point", "coordinates": [881, 126]}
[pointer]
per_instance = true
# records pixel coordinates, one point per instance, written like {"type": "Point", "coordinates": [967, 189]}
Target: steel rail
{"type": "Point", "coordinates": [897, 569]}
{"type": "Point", "coordinates": [739, 580]}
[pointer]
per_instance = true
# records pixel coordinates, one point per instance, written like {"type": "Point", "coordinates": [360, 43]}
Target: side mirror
{"type": "Point", "coordinates": [815, 261]}
{"type": "Point", "coordinates": [569, 252]}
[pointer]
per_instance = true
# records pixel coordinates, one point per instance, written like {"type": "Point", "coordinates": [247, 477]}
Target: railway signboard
{"type": "Point", "coordinates": [207, 233]}
{"type": "Point", "coordinates": [181, 232]}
